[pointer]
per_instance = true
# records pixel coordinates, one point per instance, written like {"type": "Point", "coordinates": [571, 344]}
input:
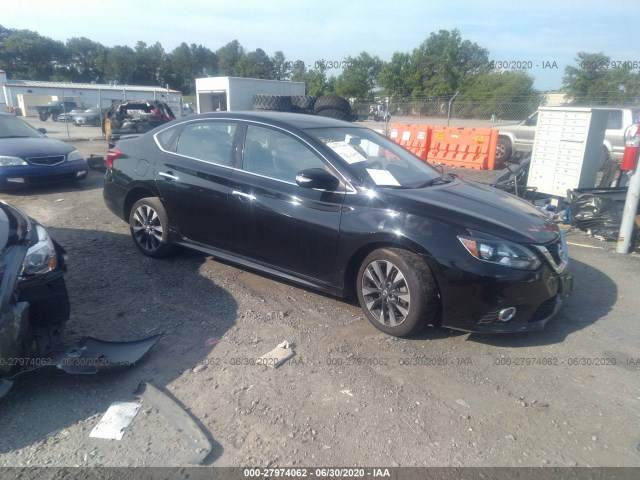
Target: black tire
{"type": "Point", "coordinates": [332, 102]}
{"type": "Point", "coordinates": [397, 286]}
{"type": "Point", "coordinates": [333, 113]}
{"type": "Point", "coordinates": [54, 117]}
{"type": "Point", "coordinates": [303, 102]}
{"type": "Point", "coordinates": [149, 226]}
{"type": "Point", "coordinates": [504, 149]}
{"type": "Point", "coordinates": [43, 116]}
{"type": "Point", "coordinates": [273, 103]}
{"type": "Point", "coordinates": [605, 159]}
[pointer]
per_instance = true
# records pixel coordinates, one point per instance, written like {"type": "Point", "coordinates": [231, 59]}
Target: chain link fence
{"type": "Point", "coordinates": [445, 108]}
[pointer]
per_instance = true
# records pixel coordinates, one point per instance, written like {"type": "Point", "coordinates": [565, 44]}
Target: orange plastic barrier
{"type": "Point", "coordinates": [464, 147]}
{"type": "Point", "coordinates": [415, 138]}
{"type": "Point", "coordinates": [459, 147]}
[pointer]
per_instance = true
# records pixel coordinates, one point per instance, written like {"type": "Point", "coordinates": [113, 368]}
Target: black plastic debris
{"type": "Point", "coordinates": [91, 355]}
{"type": "Point", "coordinates": [176, 414]}
{"type": "Point", "coordinates": [597, 210]}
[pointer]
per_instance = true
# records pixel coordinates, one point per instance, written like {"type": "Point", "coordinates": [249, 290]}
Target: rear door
{"type": "Point", "coordinates": [273, 220]}
{"type": "Point", "coordinates": [193, 178]}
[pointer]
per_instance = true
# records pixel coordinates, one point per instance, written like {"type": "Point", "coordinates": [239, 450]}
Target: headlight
{"type": "Point", "coordinates": [41, 257]}
{"type": "Point", "coordinates": [11, 161]}
{"type": "Point", "coordinates": [75, 155]}
{"type": "Point", "coordinates": [500, 252]}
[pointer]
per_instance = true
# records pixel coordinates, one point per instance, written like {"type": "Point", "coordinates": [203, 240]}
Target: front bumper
{"type": "Point", "coordinates": [15, 177]}
{"type": "Point", "coordinates": [536, 296]}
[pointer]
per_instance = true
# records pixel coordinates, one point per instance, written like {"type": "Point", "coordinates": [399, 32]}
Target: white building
{"type": "Point", "coordinates": [25, 95]}
{"type": "Point", "coordinates": [234, 93]}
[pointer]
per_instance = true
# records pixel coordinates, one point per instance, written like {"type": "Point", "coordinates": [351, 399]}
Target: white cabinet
{"type": "Point", "coordinates": [567, 150]}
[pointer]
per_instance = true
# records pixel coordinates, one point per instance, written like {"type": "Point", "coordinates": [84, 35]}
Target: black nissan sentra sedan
{"type": "Point", "coordinates": [337, 207]}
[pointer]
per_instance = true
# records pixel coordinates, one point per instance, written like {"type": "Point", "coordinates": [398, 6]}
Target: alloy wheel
{"type": "Point", "coordinates": [147, 228]}
{"type": "Point", "coordinates": [386, 293]}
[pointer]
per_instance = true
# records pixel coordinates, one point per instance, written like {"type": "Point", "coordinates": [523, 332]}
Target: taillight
{"type": "Point", "coordinates": [112, 154]}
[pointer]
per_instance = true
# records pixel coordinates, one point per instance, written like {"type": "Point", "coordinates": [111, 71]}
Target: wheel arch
{"type": "Point", "coordinates": [133, 196]}
{"type": "Point", "coordinates": [356, 259]}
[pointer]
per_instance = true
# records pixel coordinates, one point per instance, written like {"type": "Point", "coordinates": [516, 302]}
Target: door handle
{"type": "Point", "coordinates": [243, 194]}
{"type": "Point", "coordinates": [168, 175]}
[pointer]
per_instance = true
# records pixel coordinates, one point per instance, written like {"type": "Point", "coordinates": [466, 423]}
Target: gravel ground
{"type": "Point", "coordinates": [350, 395]}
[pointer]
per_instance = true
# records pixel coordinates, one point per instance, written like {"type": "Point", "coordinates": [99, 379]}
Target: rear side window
{"type": "Point", "coordinates": [209, 141]}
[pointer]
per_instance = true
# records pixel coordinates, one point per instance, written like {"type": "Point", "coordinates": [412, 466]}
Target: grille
{"type": "Point", "coordinates": [64, 177]}
{"type": "Point", "coordinates": [46, 161]}
{"type": "Point", "coordinates": [544, 310]}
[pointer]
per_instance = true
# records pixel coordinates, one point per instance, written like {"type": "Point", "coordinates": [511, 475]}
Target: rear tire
{"type": "Point", "coordinates": [397, 291]}
{"type": "Point", "coordinates": [149, 226]}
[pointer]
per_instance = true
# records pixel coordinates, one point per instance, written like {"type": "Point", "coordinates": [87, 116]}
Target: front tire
{"type": "Point", "coordinates": [504, 149]}
{"type": "Point", "coordinates": [149, 226]}
{"type": "Point", "coordinates": [397, 291]}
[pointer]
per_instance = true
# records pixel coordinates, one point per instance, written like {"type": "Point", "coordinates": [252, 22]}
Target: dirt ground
{"type": "Point", "coordinates": [351, 396]}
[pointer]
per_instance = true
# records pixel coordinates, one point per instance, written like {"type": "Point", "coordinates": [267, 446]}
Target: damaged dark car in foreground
{"type": "Point", "coordinates": [339, 208]}
{"type": "Point", "coordinates": [34, 308]}
{"type": "Point", "coordinates": [34, 305]}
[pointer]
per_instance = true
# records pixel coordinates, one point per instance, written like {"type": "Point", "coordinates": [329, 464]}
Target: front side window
{"type": "Point", "coordinates": [210, 141]}
{"type": "Point", "coordinates": [277, 155]}
{"type": "Point", "coordinates": [374, 159]}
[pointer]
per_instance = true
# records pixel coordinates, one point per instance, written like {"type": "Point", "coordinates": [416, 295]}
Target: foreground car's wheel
{"type": "Point", "coordinates": [503, 150]}
{"type": "Point", "coordinates": [149, 226]}
{"type": "Point", "coordinates": [397, 291]}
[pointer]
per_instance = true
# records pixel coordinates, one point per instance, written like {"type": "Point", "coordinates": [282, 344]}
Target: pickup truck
{"type": "Point", "coordinates": [519, 138]}
{"type": "Point", "coordinates": [53, 109]}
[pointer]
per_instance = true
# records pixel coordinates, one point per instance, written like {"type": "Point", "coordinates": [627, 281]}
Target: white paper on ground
{"type": "Point", "coordinates": [115, 420]}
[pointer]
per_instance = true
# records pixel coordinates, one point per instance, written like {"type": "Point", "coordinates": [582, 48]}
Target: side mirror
{"type": "Point", "coordinates": [42, 130]}
{"type": "Point", "coordinates": [317, 178]}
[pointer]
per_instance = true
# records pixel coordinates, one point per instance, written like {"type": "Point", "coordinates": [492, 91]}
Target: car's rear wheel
{"type": "Point", "coordinates": [149, 225]}
{"type": "Point", "coordinates": [396, 291]}
{"type": "Point", "coordinates": [504, 149]}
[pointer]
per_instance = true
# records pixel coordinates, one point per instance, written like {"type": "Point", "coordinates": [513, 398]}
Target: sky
{"type": "Point", "coordinates": [541, 36]}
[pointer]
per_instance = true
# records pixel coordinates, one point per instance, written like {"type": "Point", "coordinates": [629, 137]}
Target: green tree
{"type": "Point", "coordinates": [228, 57]}
{"type": "Point", "coordinates": [26, 54]}
{"type": "Point", "coordinates": [84, 56]}
{"type": "Point", "coordinates": [359, 77]}
{"type": "Point", "coordinates": [594, 81]}
{"type": "Point", "coordinates": [316, 81]}
{"type": "Point", "coordinates": [120, 64]}
{"type": "Point", "coordinates": [444, 62]}
{"type": "Point", "coordinates": [281, 68]}
{"type": "Point", "coordinates": [394, 76]}
{"type": "Point", "coordinates": [507, 95]}
{"type": "Point", "coordinates": [256, 64]}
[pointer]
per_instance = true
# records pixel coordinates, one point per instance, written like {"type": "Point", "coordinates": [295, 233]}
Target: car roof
{"type": "Point", "coordinates": [283, 119]}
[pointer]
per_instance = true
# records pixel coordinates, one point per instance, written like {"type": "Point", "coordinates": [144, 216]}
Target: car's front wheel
{"type": "Point", "coordinates": [149, 225]}
{"type": "Point", "coordinates": [397, 291]}
{"type": "Point", "coordinates": [503, 149]}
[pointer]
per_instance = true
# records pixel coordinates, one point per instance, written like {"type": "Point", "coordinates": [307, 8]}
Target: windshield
{"type": "Point", "coordinates": [11, 127]}
{"type": "Point", "coordinates": [374, 159]}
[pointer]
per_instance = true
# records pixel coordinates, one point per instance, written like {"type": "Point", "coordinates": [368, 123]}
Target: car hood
{"type": "Point", "coordinates": [14, 226]}
{"type": "Point", "coordinates": [33, 147]}
{"type": "Point", "coordinates": [478, 207]}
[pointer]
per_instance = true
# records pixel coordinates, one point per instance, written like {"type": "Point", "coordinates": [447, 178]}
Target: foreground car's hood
{"type": "Point", "coordinates": [33, 147]}
{"type": "Point", "coordinates": [478, 207]}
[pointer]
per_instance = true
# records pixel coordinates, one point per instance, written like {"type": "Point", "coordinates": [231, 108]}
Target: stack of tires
{"type": "Point", "coordinates": [333, 106]}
